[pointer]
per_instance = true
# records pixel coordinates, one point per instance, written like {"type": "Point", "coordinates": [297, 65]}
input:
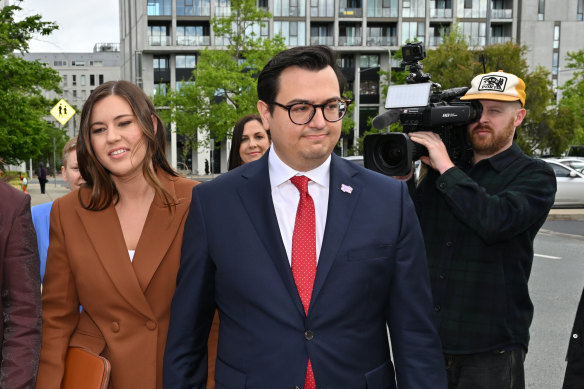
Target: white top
{"type": "Point", "coordinates": [131, 253]}
{"type": "Point", "coordinates": [286, 197]}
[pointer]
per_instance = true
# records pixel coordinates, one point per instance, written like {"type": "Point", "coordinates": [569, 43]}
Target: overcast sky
{"type": "Point", "coordinates": [82, 24]}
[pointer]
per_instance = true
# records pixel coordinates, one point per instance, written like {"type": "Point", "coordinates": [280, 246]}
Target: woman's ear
{"type": "Point", "coordinates": [154, 123]}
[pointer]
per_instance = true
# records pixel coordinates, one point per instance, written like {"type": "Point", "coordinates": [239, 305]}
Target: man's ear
{"type": "Point", "coordinates": [154, 123]}
{"type": "Point", "coordinates": [264, 111]}
{"type": "Point", "coordinates": [519, 116]}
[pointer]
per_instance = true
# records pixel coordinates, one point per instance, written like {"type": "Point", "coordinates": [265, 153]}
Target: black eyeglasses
{"type": "Point", "coordinates": [302, 113]}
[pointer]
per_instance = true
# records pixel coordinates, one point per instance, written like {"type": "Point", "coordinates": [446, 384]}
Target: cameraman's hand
{"type": "Point", "coordinates": [438, 158]}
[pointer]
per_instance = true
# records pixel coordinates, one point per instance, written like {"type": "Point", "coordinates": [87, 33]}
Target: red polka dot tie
{"type": "Point", "coordinates": [304, 254]}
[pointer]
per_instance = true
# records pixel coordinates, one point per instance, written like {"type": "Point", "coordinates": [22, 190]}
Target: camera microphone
{"type": "Point", "coordinates": [453, 92]}
{"type": "Point", "coordinates": [385, 119]}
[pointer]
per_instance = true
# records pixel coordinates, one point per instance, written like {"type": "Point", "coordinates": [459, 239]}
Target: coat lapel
{"type": "Point", "coordinates": [105, 233]}
{"type": "Point", "coordinates": [256, 196]}
{"type": "Point", "coordinates": [340, 208]}
{"type": "Point", "coordinates": [160, 230]}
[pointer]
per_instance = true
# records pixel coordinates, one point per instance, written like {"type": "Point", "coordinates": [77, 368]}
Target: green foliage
{"type": "Point", "coordinates": [569, 119]}
{"type": "Point", "coordinates": [23, 131]}
{"type": "Point", "coordinates": [225, 80]}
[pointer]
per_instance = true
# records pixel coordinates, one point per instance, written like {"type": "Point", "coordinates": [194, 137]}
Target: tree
{"type": "Point", "coordinates": [569, 118]}
{"type": "Point", "coordinates": [24, 133]}
{"type": "Point", "coordinates": [225, 81]}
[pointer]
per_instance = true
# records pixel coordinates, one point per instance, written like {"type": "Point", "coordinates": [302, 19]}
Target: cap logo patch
{"type": "Point", "coordinates": [493, 83]}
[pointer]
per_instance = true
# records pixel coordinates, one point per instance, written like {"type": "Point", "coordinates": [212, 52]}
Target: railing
{"type": "Point", "coordinates": [349, 41]}
{"type": "Point", "coordinates": [351, 13]}
{"type": "Point", "coordinates": [382, 41]}
{"type": "Point", "coordinates": [159, 41]}
{"type": "Point", "coordinates": [500, 39]}
{"type": "Point", "coordinates": [436, 40]}
{"type": "Point", "coordinates": [321, 40]}
{"type": "Point", "coordinates": [501, 14]}
{"type": "Point", "coordinates": [201, 10]}
{"type": "Point", "coordinates": [380, 12]}
{"type": "Point", "coordinates": [223, 11]}
{"type": "Point", "coordinates": [441, 13]}
{"type": "Point", "coordinates": [193, 40]}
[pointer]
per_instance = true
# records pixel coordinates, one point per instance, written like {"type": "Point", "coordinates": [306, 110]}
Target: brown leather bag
{"type": "Point", "coordinates": [85, 370]}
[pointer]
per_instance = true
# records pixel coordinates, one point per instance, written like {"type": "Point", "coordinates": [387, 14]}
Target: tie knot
{"type": "Point", "coordinates": [301, 183]}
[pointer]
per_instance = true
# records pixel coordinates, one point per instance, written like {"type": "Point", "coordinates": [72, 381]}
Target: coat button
{"type": "Point", "coordinates": [442, 276]}
{"type": "Point", "coordinates": [442, 185]}
{"type": "Point", "coordinates": [308, 335]}
{"type": "Point", "coordinates": [295, 387]}
{"type": "Point", "coordinates": [151, 325]}
{"type": "Point", "coordinates": [437, 307]}
{"type": "Point", "coordinates": [448, 244]}
{"type": "Point", "coordinates": [575, 336]}
{"type": "Point", "coordinates": [115, 326]}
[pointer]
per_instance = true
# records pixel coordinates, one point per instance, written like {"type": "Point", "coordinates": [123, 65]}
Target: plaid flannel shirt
{"type": "Point", "coordinates": [479, 222]}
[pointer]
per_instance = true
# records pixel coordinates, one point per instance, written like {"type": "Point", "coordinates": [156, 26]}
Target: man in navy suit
{"type": "Point", "coordinates": [303, 307]}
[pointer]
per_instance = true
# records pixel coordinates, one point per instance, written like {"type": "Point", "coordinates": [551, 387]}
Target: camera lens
{"type": "Point", "coordinates": [392, 152]}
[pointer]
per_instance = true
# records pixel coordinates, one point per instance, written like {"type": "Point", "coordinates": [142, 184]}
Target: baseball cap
{"type": "Point", "coordinates": [498, 86]}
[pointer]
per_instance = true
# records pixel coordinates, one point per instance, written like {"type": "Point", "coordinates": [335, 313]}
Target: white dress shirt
{"type": "Point", "coordinates": [286, 196]}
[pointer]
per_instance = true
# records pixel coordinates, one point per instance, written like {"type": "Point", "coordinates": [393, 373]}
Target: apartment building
{"type": "Point", "coordinates": [80, 74]}
{"type": "Point", "coordinates": [161, 39]}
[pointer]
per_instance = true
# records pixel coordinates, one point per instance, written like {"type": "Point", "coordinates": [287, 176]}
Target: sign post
{"type": "Point", "coordinates": [62, 111]}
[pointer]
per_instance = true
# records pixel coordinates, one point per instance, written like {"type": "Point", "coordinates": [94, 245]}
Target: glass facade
{"type": "Point", "coordinates": [322, 8]}
{"type": "Point", "coordinates": [291, 8]}
{"type": "Point", "coordinates": [471, 8]}
{"type": "Point", "coordinates": [193, 7]}
{"type": "Point", "coordinates": [414, 8]}
{"type": "Point", "coordinates": [382, 8]}
{"type": "Point", "coordinates": [294, 33]}
{"type": "Point", "coordinates": [159, 7]}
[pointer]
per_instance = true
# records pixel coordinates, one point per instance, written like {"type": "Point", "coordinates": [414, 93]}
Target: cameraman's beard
{"type": "Point", "coordinates": [494, 142]}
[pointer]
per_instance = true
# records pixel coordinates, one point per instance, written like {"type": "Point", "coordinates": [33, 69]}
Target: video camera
{"type": "Point", "coordinates": [419, 105]}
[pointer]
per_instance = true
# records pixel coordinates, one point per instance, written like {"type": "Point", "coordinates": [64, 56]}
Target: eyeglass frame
{"type": "Point", "coordinates": [314, 107]}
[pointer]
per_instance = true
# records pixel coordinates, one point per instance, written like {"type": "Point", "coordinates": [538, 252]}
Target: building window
{"type": "Point", "coordinates": [440, 8]}
{"type": "Point", "coordinates": [64, 79]}
{"type": "Point", "coordinates": [476, 33]}
{"type": "Point", "coordinates": [92, 80]}
{"type": "Point", "coordinates": [222, 8]}
{"type": "Point", "coordinates": [192, 35]}
{"type": "Point", "coordinates": [186, 61]}
{"type": "Point", "coordinates": [157, 36]}
{"type": "Point", "coordinates": [382, 8]}
{"type": "Point", "coordinates": [294, 33]}
{"type": "Point", "coordinates": [100, 79]}
{"type": "Point", "coordinates": [411, 31]}
{"type": "Point", "coordinates": [83, 79]}
{"type": "Point", "coordinates": [540, 9]}
{"type": "Point", "coordinates": [74, 93]}
{"type": "Point", "coordinates": [555, 63]}
{"type": "Point", "coordinates": [78, 63]}
{"type": "Point", "coordinates": [289, 8]}
{"type": "Point", "coordinates": [161, 88]}
{"type": "Point", "coordinates": [321, 34]}
{"type": "Point", "coordinates": [193, 7]}
{"type": "Point", "coordinates": [322, 8]}
{"type": "Point", "coordinates": [381, 35]}
{"type": "Point", "coordinates": [59, 63]}
{"type": "Point", "coordinates": [159, 7]}
{"type": "Point", "coordinates": [472, 8]}
{"type": "Point", "coordinates": [556, 37]}
{"type": "Point", "coordinates": [414, 8]}
{"type": "Point", "coordinates": [258, 30]}
{"type": "Point", "coordinates": [74, 80]}
{"type": "Point", "coordinates": [350, 34]}
{"type": "Point", "coordinates": [83, 94]}
{"type": "Point", "coordinates": [580, 10]}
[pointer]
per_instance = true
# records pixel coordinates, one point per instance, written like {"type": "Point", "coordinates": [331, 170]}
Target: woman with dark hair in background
{"type": "Point", "coordinates": [115, 244]}
{"type": "Point", "coordinates": [249, 141]}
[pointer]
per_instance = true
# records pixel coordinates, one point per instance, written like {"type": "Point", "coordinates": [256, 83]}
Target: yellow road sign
{"type": "Point", "coordinates": [62, 112]}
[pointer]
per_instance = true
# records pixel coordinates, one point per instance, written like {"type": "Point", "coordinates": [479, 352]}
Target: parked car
{"type": "Point", "coordinates": [573, 162]}
{"type": "Point", "coordinates": [570, 185]}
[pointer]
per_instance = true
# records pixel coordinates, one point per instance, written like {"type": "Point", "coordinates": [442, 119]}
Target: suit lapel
{"type": "Point", "coordinates": [256, 196]}
{"type": "Point", "coordinates": [340, 208]}
{"type": "Point", "coordinates": [160, 230]}
{"type": "Point", "coordinates": [105, 233]}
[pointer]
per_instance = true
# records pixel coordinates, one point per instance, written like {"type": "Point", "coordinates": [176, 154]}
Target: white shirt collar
{"type": "Point", "coordinates": [280, 172]}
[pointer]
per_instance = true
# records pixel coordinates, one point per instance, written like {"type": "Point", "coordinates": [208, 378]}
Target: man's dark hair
{"type": "Point", "coordinates": [312, 58]}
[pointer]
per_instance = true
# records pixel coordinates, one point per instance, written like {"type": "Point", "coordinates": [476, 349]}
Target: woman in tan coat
{"type": "Point", "coordinates": [115, 244]}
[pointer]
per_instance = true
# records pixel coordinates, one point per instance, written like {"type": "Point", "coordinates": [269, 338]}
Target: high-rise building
{"type": "Point", "coordinates": [161, 39]}
{"type": "Point", "coordinates": [80, 74]}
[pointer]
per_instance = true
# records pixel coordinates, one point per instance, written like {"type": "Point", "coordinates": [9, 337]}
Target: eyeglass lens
{"type": "Point", "coordinates": [302, 113]}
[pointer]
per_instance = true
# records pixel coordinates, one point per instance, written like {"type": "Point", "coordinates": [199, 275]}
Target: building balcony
{"type": "Point", "coordinates": [351, 13]}
{"type": "Point", "coordinates": [159, 40]}
{"type": "Point", "coordinates": [350, 41]}
{"type": "Point", "coordinates": [436, 40]}
{"type": "Point", "coordinates": [380, 12]}
{"type": "Point", "coordinates": [321, 40]}
{"type": "Point", "coordinates": [193, 40]}
{"type": "Point", "coordinates": [202, 10]}
{"type": "Point", "coordinates": [501, 14]}
{"type": "Point", "coordinates": [494, 40]}
{"type": "Point", "coordinates": [382, 41]}
{"type": "Point", "coordinates": [441, 13]}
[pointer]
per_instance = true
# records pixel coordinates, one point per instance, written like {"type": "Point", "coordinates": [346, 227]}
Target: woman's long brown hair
{"type": "Point", "coordinates": [98, 179]}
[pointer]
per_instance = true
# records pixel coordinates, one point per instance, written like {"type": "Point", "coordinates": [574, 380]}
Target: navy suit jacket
{"type": "Point", "coordinates": [371, 275]}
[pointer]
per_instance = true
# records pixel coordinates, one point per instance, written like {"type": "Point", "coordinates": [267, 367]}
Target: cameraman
{"type": "Point", "coordinates": [479, 219]}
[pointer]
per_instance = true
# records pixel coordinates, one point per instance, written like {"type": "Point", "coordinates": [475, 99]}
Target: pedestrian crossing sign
{"type": "Point", "coordinates": [62, 112]}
